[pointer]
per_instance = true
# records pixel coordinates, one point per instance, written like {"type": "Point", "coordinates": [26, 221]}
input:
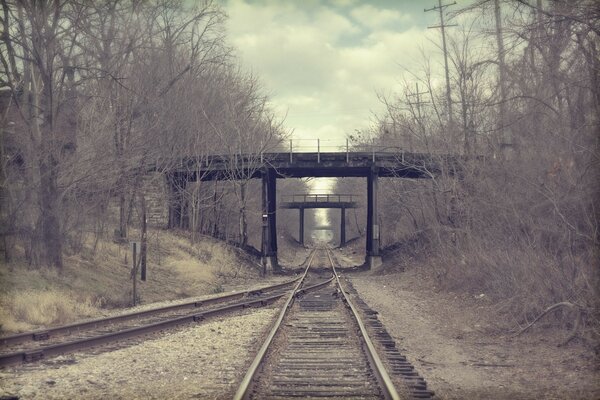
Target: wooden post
{"type": "Point", "coordinates": [144, 244]}
{"type": "Point", "coordinates": [134, 270]}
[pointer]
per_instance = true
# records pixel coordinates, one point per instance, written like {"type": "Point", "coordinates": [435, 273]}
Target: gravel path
{"type": "Point", "coordinates": [205, 361]}
{"type": "Point", "coordinates": [454, 347]}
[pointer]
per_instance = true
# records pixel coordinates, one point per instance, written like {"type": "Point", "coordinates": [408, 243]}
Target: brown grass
{"type": "Point", "coordinates": [91, 283]}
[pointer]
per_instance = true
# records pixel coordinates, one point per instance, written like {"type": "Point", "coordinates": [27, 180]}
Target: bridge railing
{"type": "Point", "coordinates": [320, 146]}
{"type": "Point", "coordinates": [318, 198]}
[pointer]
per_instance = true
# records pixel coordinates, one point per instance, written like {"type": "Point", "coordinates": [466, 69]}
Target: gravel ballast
{"type": "Point", "coordinates": [199, 362]}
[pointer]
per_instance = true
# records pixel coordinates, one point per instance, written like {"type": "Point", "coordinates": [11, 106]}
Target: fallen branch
{"type": "Point", "coordinates": [550, 309]}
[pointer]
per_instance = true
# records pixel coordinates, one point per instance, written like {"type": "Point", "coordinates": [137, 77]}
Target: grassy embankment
{"type": "Point", "coordinates": [93, 282]}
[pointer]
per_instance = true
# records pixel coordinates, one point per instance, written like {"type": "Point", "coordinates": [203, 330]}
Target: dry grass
{"type": "Point", "coordinates": [91, 283]}
{"type": "Point", "coordinates": [521, 281]}
{"type": "Point", "coordinates": [50, 307]}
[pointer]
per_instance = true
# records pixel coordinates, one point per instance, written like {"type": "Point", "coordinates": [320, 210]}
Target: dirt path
{"type": "Point", "coordinates": [453, 344]}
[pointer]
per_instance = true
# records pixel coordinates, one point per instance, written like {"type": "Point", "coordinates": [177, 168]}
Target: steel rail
{"type": "Point", "coordinates": [242, 391]}
{"type": "Point", "coordinates": [45, 334]}
{"type": "Point", "coordinates": [80, 344]}
{"type": "Point", "coordinates": [389, 390]}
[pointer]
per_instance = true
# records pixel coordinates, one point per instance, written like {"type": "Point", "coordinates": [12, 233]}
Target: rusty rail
{"type": "Point", "coordinates": [66, 329]}
{"type": "Point", "coordinates": [377, 366]}
{"type": "Point", "coordinates": [242, 390]}
{"type": "Point", "coordinates": [80, 344]}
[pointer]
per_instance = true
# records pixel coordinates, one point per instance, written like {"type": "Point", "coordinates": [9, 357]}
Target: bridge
{"type": "Point", "coordinates": [310, 201]}
{"type": "Point", "coordinates": [372, 164]}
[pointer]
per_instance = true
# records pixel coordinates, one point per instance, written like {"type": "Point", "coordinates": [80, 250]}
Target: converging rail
{"type": "Point", "coordinates": [37, 345]}
{"type": "Point", "coordinates": [320, 347]}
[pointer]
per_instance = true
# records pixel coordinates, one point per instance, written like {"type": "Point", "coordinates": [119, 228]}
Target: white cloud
{"type": "Point", "coordinates": [378, 18]}
{"type": "Point", "coordinates": [322, 68]}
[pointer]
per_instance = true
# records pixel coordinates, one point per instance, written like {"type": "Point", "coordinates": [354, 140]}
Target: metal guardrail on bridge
{"type": "Point", "coordinates": [318, 198]}
{"type": "Point", "coordinates": [319, 146]}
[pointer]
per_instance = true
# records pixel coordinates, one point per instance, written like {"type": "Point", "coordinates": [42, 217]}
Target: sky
{"type": "Point", "coordinates": [323, 62]}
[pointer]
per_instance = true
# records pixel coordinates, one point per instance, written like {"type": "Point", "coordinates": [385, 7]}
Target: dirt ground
{"type": "Point", "coordinates": [455, 345]}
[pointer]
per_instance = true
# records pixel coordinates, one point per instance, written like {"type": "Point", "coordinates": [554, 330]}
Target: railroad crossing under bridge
{"type": "Point", "coordinates": [272, 166]}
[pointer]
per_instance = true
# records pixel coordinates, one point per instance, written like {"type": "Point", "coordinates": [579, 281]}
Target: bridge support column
{"type": "Point", "coordinates": [373, 258]}
{"type": "Point", "coordinates": [269, 206]}
{"type": "Point", "coordinates": [301, 225]}
{"type": "Point", "coordinates": [343, 227]}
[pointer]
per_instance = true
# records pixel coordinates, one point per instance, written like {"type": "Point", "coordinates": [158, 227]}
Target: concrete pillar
{"type": "Point", "coordinates": [343, 227]}
{"type": "Point", "coordinates": [301, 224]}
{"type": "Point", "coordinates": [373, 259]}
{"type": "Point", "coordinates": [269, 205]}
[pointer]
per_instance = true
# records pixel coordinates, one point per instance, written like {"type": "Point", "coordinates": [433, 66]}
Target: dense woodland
{"type": "Point", "coordinates": [92, 93]}
{"type": "Point", "coordinates": [522, 223]}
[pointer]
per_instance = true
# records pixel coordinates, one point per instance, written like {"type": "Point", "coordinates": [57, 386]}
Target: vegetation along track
{"type": "Point", "coordinates": [320, 346]}
{"type": "Point", "coordinates": [37, 345]}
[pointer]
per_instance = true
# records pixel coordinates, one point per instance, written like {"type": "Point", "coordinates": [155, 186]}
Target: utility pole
{"type": "Point", "coordinates": [440, 7]}
{"type": "Point", "coordinates": [418, 105]}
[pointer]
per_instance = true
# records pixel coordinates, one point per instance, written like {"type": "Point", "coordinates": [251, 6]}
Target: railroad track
{"type": "Point", "coordinates": [321, 346]}
{"type": "Point", "coordinates": [42, 344]}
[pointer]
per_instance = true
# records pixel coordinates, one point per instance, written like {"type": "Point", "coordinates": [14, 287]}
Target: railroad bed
{"type": "Point", "coordinates": [320, 348]}
{"type": "Point", "coordinates": [38, 345]}
{"type": "Point", "coordinates": [326, 342]}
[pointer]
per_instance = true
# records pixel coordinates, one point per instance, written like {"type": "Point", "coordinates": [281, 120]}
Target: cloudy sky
{"type": "Point", "coordinates": [323, 62]}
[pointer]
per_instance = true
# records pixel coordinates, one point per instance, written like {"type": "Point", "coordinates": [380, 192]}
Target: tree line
{"type": "Point", "coordinates": [93, 93]}
{"type": "Point", "coordinates": [522, 223]}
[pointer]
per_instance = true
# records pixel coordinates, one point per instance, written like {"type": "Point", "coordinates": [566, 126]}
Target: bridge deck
{"type": "Point", "coordinates": [300, 165]}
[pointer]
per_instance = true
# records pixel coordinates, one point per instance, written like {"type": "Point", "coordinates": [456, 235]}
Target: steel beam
{"type": "Point", "coordinates": [373, 254]}
{"type": "Point", "coordinates": [269, 205]}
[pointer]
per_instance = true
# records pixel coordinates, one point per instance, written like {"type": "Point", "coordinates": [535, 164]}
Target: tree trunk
{"type": "Point", "coordinates": [50, 214]}
{"type": "Point", "coordinates": [243, 219]}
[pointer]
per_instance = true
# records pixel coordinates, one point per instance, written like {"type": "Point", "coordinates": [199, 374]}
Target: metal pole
{"type": "Point", "coordinates": [347, 153]}
{"type": "Point", "coordinates": [318, 150]}
{"type": "Point", "coordinates": [291, 151]}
